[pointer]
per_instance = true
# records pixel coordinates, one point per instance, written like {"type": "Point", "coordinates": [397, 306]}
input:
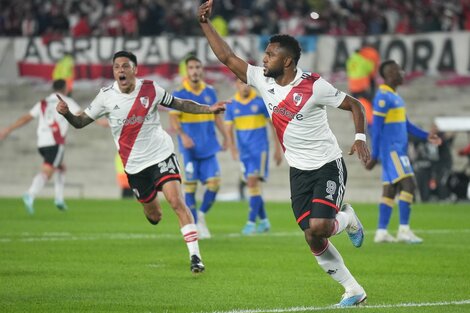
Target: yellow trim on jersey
{"type": "Point", "coordinates": [396, 115]}
{"type": "Point", "coordinates": [196, 118]}
{"type": "Point", "coordinates": [250, 122]}
{"type": "Point", "coordinates": [246, 100]}
{"type": "Point", "coordinates": [254, 191]}
{"type": "Point", "coordinates": [228, 122]}
{"type": "Point", "coordinates": [384, 87]}
{"type": "Point", "coordinates": [176, 112]}
{"type": "Point", "coordinates": [197, 91]}
{"type": "Point", "coordinates": [402, 177]}
{"type": "Point", "coordinates": [406, 196]}
{"type": "Point", "coordinates": [388, 201]}
{"type": "Point", "coordinates": [397, 163]}
{"type": "Point", "coordinates": [380, 113]}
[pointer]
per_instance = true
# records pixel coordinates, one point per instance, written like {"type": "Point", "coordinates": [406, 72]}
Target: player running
{"type": "Point", "coordinates": [296, 101]}
{"type": "Point", "coordinates": [51, 132]}
{"type": "Point", "coordinates": [146, 150]}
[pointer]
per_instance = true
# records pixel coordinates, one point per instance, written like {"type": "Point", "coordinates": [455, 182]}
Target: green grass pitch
{"type": "Point", "coordinates": [103, 256]}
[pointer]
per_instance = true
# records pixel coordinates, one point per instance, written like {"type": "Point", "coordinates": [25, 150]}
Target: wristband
{"type": "Point", "coordinates": [360, 136]}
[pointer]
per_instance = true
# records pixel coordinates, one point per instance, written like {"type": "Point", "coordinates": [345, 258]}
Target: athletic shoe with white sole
{"type": "Point", "coordinates": [202, 229]}
{"type": "Point", "coordinates": [196, 265]}
{"type": "Point", "coordinates": [354, 229]}
{"type": "Point", "coordinates": [383, 236]}
{"type": "Point", "coordinates": [350, 299]}
{"type": "Point", "coordinates": [28, 203]}
{"type": "Point", "coordinates": [406, 235]}
{"type": "Point", "coordinates": [249, 228]}
{"type": "Point", "coordinates": [264, 226]}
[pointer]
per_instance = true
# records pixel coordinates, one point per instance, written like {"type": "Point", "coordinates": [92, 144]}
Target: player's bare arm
{"type": "Point", "coordinates": [19, 122]}
{"type": "Point", "coordinates": [189, 106]}
{"type": "Point", "coordinates": [77, 121]}
{"type": "Point", "coordinates": [351, 104]}
{"type": "Point", "coordinates": [221, 49]}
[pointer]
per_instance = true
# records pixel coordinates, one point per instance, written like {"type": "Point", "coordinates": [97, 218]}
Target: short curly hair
{"type": "Point", "coordinates": [289, 43]}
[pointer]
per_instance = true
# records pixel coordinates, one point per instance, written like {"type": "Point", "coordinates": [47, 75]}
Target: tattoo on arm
{"type": "Point", "coordinates": [78, 121]}
{"type": "Point", "coordinates": [189, 106]}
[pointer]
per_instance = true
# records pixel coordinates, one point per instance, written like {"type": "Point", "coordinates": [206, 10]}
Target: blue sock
{"type": "Point", "coordinates": [256, 203]}
{"type": "Point", "coordinates": [262, 212]}
{"type": "Point", "coordinates": [207, 201]}
{"type": "Point", "coordinates": [405, 209]}
{"type": "Point", "coordinates": [385, 212]}
{"type": "Point", "coordinates": [190, 199]}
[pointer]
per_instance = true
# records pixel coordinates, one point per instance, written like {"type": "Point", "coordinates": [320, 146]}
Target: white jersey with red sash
{"type": "Point", "coordinates": [135, 123]}
{"type": "Point", "coordinates": [52, 127]}
{"type": "Point", "coordinates": [298, 112]}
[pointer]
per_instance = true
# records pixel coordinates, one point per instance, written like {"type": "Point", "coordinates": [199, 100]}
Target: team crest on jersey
{"type": "Point", "coordinates": [207, 99]}
{"type": "Point", "coordinates": [297, 98]}
{"type": "Point", "coordinates": [254, 108]}
{"type": "Point", "coordinates": [144, 101]}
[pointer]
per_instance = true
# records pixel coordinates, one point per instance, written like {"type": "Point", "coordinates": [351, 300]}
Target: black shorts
{"type": "Point", "coordinates": [317, 193]}
{"type": "Point", "coordinates": [147, 182]}
{"type": "Point", "coordinates": [53, 155]}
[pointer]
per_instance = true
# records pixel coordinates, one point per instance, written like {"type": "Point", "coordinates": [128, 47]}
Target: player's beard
{"type": "Point", "coordinates": [273, 73]}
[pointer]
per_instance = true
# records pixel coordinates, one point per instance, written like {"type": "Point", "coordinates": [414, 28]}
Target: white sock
{"type": "Point", "coordinates": [341, 221]}
{"type": "Point", "coordinates": [332, 263]}
{"type": "Point", "coordinates": [59, 182]}
{"type": "Point", "coordinates": [189, 232]}
{"type": "Point", "coordinates": [38, 183]}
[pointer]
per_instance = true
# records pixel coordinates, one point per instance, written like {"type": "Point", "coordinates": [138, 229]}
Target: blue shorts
{"type": "Point", "coordinates": [255, 165]}
{"type": "Point", "coordinates": [200, 169]}
{"type": "Point", "coordinates": [395, 167]}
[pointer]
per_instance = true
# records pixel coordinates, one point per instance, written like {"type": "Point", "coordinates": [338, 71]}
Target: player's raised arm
{"type": "Point", "coordinates": [351, 104]}
{"type": "Point", "coordinates": [221, 49]}
{"type": "Point", "coordinates": [77, 121]}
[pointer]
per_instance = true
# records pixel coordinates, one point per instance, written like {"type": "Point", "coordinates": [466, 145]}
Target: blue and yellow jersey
{"type": "Point", "coordinates": [200, 127]}
{"type": "Point", "coordinates": [390, 126]}
{"type": "Point", "coordinates": [249, 117]}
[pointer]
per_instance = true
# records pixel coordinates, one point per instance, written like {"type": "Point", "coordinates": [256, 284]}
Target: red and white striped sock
{"type": "Point", "coordinates": [189, 232]}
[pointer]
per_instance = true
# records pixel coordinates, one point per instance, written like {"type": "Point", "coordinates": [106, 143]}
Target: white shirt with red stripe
{"type": "Point", "coordinates": [52, 127]}
{"type": "Point", "coordinates": [135, 123]}
{"type": "Point", "coordinates": [298, 112]}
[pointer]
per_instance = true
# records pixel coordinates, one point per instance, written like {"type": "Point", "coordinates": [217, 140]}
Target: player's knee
{"type": "Point", "coordinates": [213, 184]}
{"type": "Point", "coordinates": [190, 187]}
{"type": "Point", "coordinates": [320, 228]}
{"type": "Point", "coordinates": [176, 202]}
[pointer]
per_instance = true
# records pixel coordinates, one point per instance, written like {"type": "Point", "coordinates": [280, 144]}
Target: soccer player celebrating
{"type": "Point", "coordinates": [248, 116]}
{"type": "Point", "coordinates": [146, 150]}
{"type": "Point", "coordinates": [390, 129]}
{"type": "Point", "coordinates": [51, 132]}
{"type": "Point", "coordinates": [296, 101]}
{"type": "Point", "coordinates": [198, 143]}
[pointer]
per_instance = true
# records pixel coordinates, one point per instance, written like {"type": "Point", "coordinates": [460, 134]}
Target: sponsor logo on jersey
{"type": "Point", "coordinates": [144, 101]}
{"type": "Point", "coordinates": [297, 97]}
{"type": "Point", "coordinates": [285, 112]}
{"type": "Point", "coordinates": [134, 119]}
{"type": "Point", "coordinates": [271, 90]}
{"type": "Point", "coordinates": [116, 107]}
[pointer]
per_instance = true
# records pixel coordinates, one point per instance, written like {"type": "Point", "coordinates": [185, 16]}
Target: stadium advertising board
{"type": "Point", "coordinates": [430, 53]}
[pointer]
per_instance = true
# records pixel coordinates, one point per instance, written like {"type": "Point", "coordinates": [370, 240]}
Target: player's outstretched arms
{"type": "Point", "coordinates": [189, 106]}
{"type": "Point", "coordinates": [221, 49]}
{"type": "Point", "coordinates": [77, 121]}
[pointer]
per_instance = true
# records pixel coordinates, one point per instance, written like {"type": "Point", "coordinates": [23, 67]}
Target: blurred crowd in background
{"type": "Point", "coordinates": [232, 17]}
